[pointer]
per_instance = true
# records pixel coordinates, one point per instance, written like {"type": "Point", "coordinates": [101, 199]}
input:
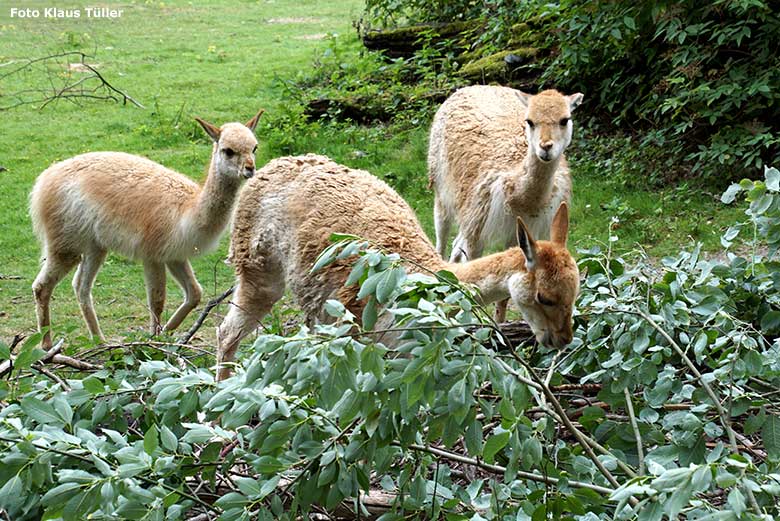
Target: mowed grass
{"type": "Point", "coordinates": [222, 61]}
{"type": "Point", "coordinates": [216, 59]}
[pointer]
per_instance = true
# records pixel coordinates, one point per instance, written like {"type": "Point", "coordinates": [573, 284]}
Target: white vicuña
{"type": "Point", "coordinates": [94, 203]}
{"type": "Point", "coordinates": [286, 214]}
{"type": "Point", "coordinates": [496, 154]}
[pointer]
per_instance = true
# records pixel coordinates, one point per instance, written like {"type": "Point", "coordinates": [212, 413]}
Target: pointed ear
{"type": "Point", "coordinates": [524, 98]}
{"type": "Point", "coordinates": [212, 130]}
{"type": "Point", "coordinates": [252, 123]}
{"type": "Point", "coordinates": [527, 244]}
{"type": "Point", "coordinates": [575, 100]}
{"type": "Point", "coordinates": [559, 231]}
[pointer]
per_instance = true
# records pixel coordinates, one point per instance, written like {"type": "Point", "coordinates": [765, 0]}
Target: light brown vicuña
{"type": "Point", "coordinates": [94, 203]}
{"type": "Point", "coordinates": [287, 213]}
{"type": "Point", "coordinates": [496, 154]}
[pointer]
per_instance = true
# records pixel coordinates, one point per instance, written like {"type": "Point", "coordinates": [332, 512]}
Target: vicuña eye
{"type": "Point", "coordinates": [254, 149]}
{"type": "Point", "coordinates": [229, 152]}
{"type": "Point", "coordinates": [529, 123]}
{"type": "Point", "coordinates": [544, 301]}
{"type": "Point", "coordinates": [564, 122]}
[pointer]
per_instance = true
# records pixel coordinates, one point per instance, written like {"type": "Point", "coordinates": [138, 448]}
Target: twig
{"type": "Point", "coordinates": [7, 365]}
{"type": "Point", "coordinates": [203, 314]}
{"type": "Point", "coordinates": [640, 452]}
{"type": "Point", "coordinates": [41, 369]}
{"type": "Point", "coordinates": [75, 364]}
{"type": "Point", "coordinates": [126, 97]}
{"type": "Point", "coordinates": [498, 469]}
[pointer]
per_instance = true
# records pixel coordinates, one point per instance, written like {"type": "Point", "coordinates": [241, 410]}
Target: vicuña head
{"type": "Point", "coordinates": [548, 122]}
{"type": "Point", "coordinates": [545, 292]}
{"type": "Point", "coordinates": [286, 214]}
{"type": "Point", "coordinates": [234, 147]}
{"type": "Point", "coordinates": [94, 203]}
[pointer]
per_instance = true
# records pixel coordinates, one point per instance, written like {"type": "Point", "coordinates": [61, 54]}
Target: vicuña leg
{"type": "Point", "coordinates": [55, 267]}
{"type": "Point", "coordinates": [83, 281]}
{"type": "Point", "coordinates": [253, 299]}
{"type": "Point", "coordinates": [443, 223]}
{"type": "Point", "coordinates": [154, 273]}
{"type": "Point", "coordinates": [182, 272]}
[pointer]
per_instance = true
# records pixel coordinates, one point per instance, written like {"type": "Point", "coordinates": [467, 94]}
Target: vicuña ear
{"type": "Point", "coordinates": [524, 98]}
{"type": "Point", "coordinates": [559, 231]}
{"type": "Point", "coordinates": [212, 130]}
{"type": "Point", "coordinates": [527, 243]}
{"type": "Point", "coordinates": [575, 100]}
{"type": "Point", "coordinates": [252, 123]}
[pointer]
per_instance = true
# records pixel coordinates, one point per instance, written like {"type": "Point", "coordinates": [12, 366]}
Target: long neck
{"type": "Point", "coordinates": [215, 202]}
{"type": "Point", "coordinates": [535, 183]}
{"type": "Point", "coordinates": [491, 274]}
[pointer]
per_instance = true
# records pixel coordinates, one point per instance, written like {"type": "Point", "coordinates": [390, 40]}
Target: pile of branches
{"type": "Point", "coordinates": [665, 404]}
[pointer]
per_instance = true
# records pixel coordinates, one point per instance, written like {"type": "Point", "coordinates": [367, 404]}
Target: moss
{"type": "Point", "coordinates": [414, 32]}
{"type": "Point", "coordinates": [493, 66]}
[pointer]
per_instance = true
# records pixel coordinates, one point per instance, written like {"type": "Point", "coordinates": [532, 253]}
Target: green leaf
{"type": "Point", "coordinates": [40, 411]}
{"type": "Point", "coordinates": [772, 176]}
{"type": "Point", "coordinates": [151, 440]}
{"type": "Point", "coordinates": [770, 433]}
{"type": "Point", "coordinates": [456, 397]}
{"type": "Point", "coordinates": [494, 444]}
{"type": "Point", "coordinates": [168, 439]}
{"type": "Point", "coordinates": [59, 494]}
{"type": "Point", "coordinates": [93, 385]}
{"type": "Point", "coordinates": [369, 314]}
{"type": "Point", "coordinates": [770, 322]}
{"type": "Point", "coordinates": [231, 500]}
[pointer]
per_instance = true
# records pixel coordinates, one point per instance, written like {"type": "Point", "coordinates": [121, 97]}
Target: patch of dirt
{"type": "Point", "coordinates": [316, 36]}
{"type": "Point", "coordinates": [294, 20]}
{"type": "Point", "coordinates": [80, 67]}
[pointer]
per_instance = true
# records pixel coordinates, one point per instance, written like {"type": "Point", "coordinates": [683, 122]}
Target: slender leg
{"type": "Point", "coordinates": [459, 248]}
{"type": "Point", "coordinates": [252, 300]}
{"type": "Point", "coordinates": [154, 273]}
{"type": "Point", "coordinates": [443, 223]}
{"type": "Point", "coordinates": [182, 272]}
{"type": "Point", "coordinates": [500, 314]}
{"type": "Point", "coordinates": [55, 267]}
{"type": "Point", "coordinates": [83, 281]}
{"type": "Point", "coordinates": [501, 306]}
{"type": "Point", "coordinates": [464, 250]}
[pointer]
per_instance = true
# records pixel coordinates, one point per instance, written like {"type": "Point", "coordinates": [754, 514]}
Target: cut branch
{"type": "Point", "coordinates": [204, 314]}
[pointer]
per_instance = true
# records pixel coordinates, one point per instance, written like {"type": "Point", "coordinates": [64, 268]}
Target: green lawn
{"type": "Point", "coordinates": [217, 60]}
{"type": "Point", "coordinates": [222, 61]}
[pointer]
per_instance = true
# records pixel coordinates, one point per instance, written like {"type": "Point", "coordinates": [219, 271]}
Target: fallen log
{"type": "Point", "coordinates": [403, 42]}
{"type": "Point", "coordinates": [502, 66]}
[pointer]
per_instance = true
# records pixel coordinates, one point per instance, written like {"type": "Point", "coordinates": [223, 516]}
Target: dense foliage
{"type": "Point", "coordinates": [665, 404]}
{"type": "Point", "coordinates": [699, 82]}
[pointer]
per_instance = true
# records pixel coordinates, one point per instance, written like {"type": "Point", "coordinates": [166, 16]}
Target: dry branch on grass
{"type": "Point", "coordinates": [56, 77]}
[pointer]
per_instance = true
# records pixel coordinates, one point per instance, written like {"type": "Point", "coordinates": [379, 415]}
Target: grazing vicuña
{"type": "Point", "coordinates": [287, 213]}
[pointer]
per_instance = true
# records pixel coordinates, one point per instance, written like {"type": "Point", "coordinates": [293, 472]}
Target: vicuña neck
{"type": "Point", "coordinates": [215, 202]}
{"type": "Point", "coordinates": [491, 274]}
{"type": "Point", "coordinates": [534, 184]}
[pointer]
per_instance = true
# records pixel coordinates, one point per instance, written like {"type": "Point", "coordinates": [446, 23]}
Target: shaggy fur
{"type": "Point", "coordinates": [93, 203]}
{"type": "Point", "coordinates": [284, 219]}
{"type": "Point", "coordinates": [487, 165]}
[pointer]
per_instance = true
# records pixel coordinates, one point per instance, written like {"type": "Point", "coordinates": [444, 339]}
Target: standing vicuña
{"type": "Point", "coordinates": [93, 203]}
{"type": "Point", "coordinates": [496, 154]}
{"type": "Point", "coordinates": [287, 213]}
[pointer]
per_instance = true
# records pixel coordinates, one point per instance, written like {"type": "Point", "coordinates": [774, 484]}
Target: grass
{"type": "Point", "coordinates": [222, 61]}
